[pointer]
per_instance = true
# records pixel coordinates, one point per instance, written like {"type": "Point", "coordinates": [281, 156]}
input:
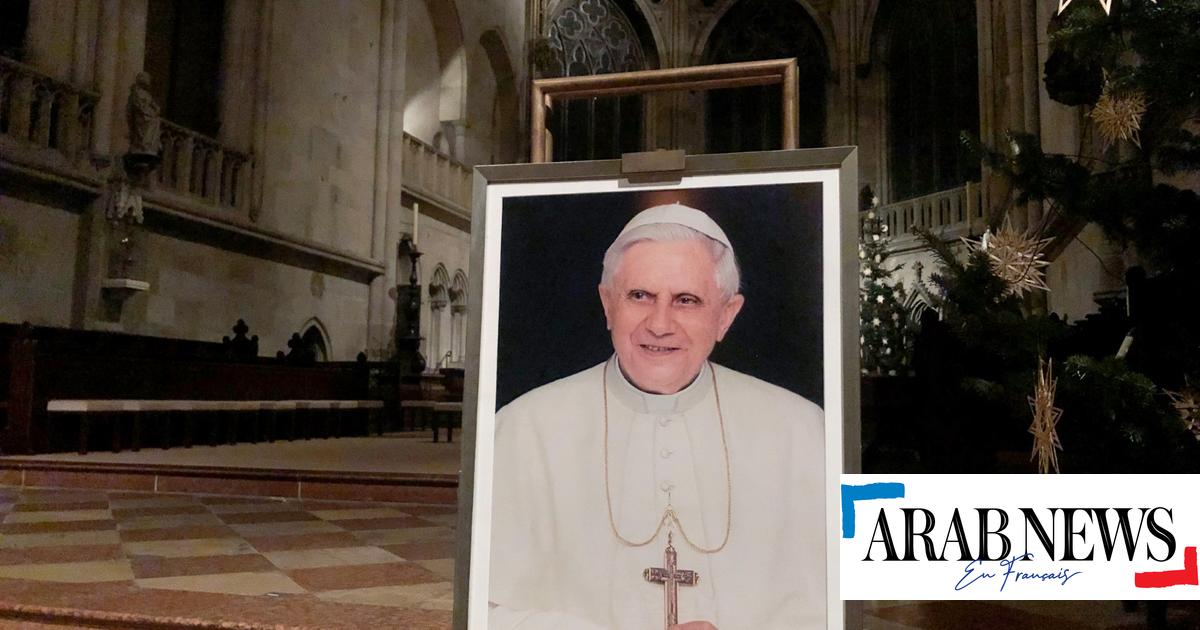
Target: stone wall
{"type": "Point", "coordinates": [38, 246]}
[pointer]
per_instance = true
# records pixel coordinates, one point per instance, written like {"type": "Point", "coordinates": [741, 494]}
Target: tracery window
{"type": "Point", "coordinates": [587, 37]}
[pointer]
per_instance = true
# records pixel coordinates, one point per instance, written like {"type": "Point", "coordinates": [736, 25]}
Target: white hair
{"type": "Point", "coordinates": [725, 263]}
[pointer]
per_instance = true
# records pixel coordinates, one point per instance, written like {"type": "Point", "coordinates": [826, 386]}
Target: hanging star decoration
{"type": "Point", "coordinates": [1045, 419]}
{"type": "Point", "coordinates": [1187, 403]}
{"type": "Point", "coordinates": [1119, 116]}
{"type": "Point", "coordinates": [1104, 4]}
{"type": "Point", "coordinates": [1015, 257]}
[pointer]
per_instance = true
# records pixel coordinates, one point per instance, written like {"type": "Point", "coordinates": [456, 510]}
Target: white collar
{"type": "Point", "coordinates": [640, 401]}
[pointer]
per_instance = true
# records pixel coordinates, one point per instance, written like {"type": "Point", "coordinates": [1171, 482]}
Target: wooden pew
{"type": "Point", "coordinates": [55, 373]}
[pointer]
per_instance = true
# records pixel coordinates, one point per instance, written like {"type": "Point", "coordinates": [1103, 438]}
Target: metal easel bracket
{"type": "Point", "coordinates": [652, 167]}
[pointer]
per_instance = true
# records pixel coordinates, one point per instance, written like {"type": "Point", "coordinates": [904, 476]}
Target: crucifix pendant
{"type": "Point", "coordinates": [671, 578]}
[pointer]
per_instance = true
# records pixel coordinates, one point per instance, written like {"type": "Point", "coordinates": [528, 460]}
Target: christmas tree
{"type": "Point", "coordinates": [1133, 70]}
{"type": "Point", "coordinates": [885, 341]}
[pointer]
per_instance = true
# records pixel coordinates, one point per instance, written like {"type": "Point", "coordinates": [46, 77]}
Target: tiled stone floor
{"type": "Point", "coordinates": [224, 559]}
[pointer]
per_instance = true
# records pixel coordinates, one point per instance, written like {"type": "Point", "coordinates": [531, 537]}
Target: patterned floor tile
{"type": "Point", "coordinates": [74, 572]}
{"type": "Point", "coordinates": [228, 558]}
{"type": "Point", "coordinates": [158, 510]}
{"type": "Point", "coordinates": [442, 567]}
{"type": "Point", "coordinates": [242, 518]}
{"type": "Point", "coordinates": [260, 583]}
{"type": "Point", "coordinates": [248, 507]}
{"type": "Point", "coordinates": [334, 515]}
{"type": "Point", "coordinates": [51, 517]}
{"type": "Point", "coordinates": [45, 527]}
{"type": "Point", "coordinates": [186, 548]}
{"type": "Point", "coordinates": [163, 522]}
{"type": "Point", "coordinates": [75, 553]}
{"type": "Point", "coordinates": [59, 507]}
{"type": "Point", "coordinates": [312, 558]}
{"type": "Point", "coordinates": [395, 522]}
{"type": "Point", "coordinates": [434, 595]}
{"type": "Point", "coordinates": [191, 532]}
{"type": "Point", "coordinates": [157, 566]}
{"type": "Point", "coordinates": [430, 550]}
{"type": "Point", "coordinates": [363, 576]}
{"type": "Point", "coordinates": [288, 528]}
{"type": "Point", "coordinates": [62, 539]}
{"type": "Point", "coordinates": [304, 541]}
{"type": "Point", "coordinates": [380, 537]}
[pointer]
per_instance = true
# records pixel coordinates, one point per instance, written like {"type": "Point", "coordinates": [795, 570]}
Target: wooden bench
{"type": "Point", "coordinates": [264, 415]}
{"type": "Point", "coordinates": [449, 415]}
{"type": "Point", "coordinates": [173, 391]}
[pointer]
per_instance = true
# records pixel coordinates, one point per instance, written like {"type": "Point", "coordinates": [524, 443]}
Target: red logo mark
{"type": "Point", "coordinates": [1162, 579]}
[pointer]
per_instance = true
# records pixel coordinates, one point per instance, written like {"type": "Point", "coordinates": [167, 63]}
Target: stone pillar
{"type": "Point", "coordinates": [258, 124]}
{"type": "Point", "coordinates": [1008, 78]}
{"type": "Point", "coordinates": [83, 66]}
{"type": "Point", "coordinates": [107, 46]}
{"type": "Point", "coordinates": [131, 54]}
{"type": "Point", "coordinates": [48, 45]}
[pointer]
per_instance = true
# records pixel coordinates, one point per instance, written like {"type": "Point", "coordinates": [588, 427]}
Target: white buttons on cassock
{"type": "Point", "coordinates": [665, 453]}
{"type": "Point", "coordinates": [664, 421]}
{"type": "Point", "coordinates": [666, 486]}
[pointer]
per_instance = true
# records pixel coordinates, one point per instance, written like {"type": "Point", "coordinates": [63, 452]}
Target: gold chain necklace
{"type": "Point", "coordinates": [669, 515]}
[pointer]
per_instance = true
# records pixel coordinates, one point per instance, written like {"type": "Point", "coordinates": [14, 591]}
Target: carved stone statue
{"type": "Point", "coordinates": [142, 112]}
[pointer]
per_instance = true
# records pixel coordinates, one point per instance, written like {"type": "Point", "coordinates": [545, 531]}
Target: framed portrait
{"type": "Point", "coordinates": [661, 395]}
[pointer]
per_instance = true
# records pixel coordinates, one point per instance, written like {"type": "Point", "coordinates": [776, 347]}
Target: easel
{"type": "Point", "coordinates": [547, 92]}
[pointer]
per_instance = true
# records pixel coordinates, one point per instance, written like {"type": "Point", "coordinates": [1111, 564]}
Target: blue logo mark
{"type": "Point", "coordinates": [850, 494]}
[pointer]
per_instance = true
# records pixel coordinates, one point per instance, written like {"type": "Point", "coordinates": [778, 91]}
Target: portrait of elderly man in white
{"type": "Point", "coordinates": [657, 457]}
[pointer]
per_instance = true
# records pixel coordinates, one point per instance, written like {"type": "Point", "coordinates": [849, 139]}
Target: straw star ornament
{"type": "Point", "coordinates": [1017, 258]}
{"type": "Point", "coordinates": [1045, 419]}
{"type": "Point", "coordinates": [1119, 116]}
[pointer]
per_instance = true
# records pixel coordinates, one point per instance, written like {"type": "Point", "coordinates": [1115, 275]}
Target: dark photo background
{"type": "Point", "coordinates": [551, 322]}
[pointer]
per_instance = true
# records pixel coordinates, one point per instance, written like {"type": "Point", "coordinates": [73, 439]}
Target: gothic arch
{"type": "Point", "coordinates": [448, 31]}
{"type": "Point", "coordinates": [458, 321]}
{"type": "Point", "coordinates": [504, 131]}
{"type": "Point", "coordinates": [439, 299]}
{"type": "Point", "coordinates": [316, 336]}
{"type": "Point", "coordinates": [458, 289]}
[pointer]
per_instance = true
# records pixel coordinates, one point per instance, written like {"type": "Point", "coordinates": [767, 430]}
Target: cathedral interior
{"type": "Point", "coordinates": [252, 218]}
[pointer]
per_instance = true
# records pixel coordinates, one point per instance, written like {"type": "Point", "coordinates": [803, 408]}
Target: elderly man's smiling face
{"type": "Point", "coordinates": [666, 313]}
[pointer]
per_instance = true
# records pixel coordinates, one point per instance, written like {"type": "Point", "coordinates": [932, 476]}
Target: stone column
{"type": "Point", "coordinates": [107, 46]}
{"type": "Point", "coordinates": [46, 47]}
{"type": "Point", "coordinates": [1008, 78]}
{"type": "Point", "coordinates": [83, 66]}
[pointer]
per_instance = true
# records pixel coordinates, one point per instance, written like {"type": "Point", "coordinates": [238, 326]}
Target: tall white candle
{"type": "Point", "coordinates": [416, 223]}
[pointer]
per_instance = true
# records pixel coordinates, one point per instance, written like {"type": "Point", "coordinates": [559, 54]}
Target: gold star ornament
{"type": "Point", "coordinates": [1045, 419]}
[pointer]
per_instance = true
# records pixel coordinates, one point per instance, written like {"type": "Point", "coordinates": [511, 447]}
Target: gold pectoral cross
{"type": "Point", "coordinates": [671, 578]}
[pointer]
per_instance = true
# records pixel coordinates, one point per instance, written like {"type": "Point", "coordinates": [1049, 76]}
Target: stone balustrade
{"type": "Point", "coordinates": [199, 166]}
{"type": "Point", "coordinates": [436, 176]}
{"type": "Point", "coordinates": [950, 213]}
{"type": "Point", "coordinates": [45, 113]}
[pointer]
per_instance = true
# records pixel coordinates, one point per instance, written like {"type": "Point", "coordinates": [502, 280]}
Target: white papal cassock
{"type": "Point", "coordinates": [555, 562]}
